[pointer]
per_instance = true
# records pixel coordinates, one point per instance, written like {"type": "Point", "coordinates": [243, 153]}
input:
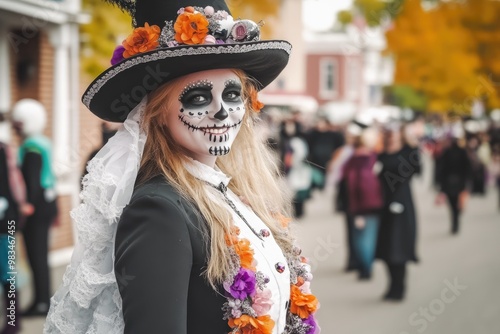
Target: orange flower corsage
{"type": "Point", "coordinates": [245, 252]}
{"type": "Point", "coordinates": [250, 325]}
{"type": "Point", "coordinates": [241, 247]}
{"type": "Point", "coordinates": [191, 27]}
{"type": "Point", "coordinates": [142, 39]}
{"type": "Point", "coordinates": [301, 304]}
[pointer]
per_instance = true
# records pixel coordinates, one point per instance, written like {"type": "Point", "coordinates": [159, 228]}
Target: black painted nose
{"type": "Point", "coordinates": [221, 114]}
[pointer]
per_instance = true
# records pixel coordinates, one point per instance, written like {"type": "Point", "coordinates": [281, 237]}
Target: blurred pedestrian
{"type": "Point", "coordinates": [298, 172]}
{"type": "Point", "coordinates": [494, 141]}
{"type": "Point", "coordinates": [300, 175]}
{"type": "Point", "coordinates": [35, 157]}
{"type": "Point", "coordinates": [478, 169]}
{"type": "Point", "coordinates": [202, 244]}
{"type": "Point", "coordinates": [289, 128]}
{"type": "Point", "coordinates": [335, 178]}
{"type": "Point", "coordinates": [399, 162]}
{"type": "Point", "coordinates": [13, 208]}
{"type": "Point", "coordinates": [364, 198]}
{"type": "Point", "coordinates": [323, 142]}
{"type": "Point", "coordinates": [455, 178]}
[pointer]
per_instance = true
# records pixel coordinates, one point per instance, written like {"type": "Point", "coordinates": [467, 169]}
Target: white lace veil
{"type": "Point", "coordinates": [88, 301]}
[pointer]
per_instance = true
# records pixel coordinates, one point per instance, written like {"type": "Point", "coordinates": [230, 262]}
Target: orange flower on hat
{"type": "Point", "coordinates": [254, 99]}
{"type": "Point", "coordinates": [142, 39]}
{"type": "Point", "coordinates": [245, 252]}
{"type": "Point", "coordinates": [301, 304]}
{"type": "Point", "coordinates": [191, 28]}
{"type": "Point", "coordinates": [250, 325]}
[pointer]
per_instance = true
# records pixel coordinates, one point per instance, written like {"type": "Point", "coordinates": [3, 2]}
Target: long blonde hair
{"type": "Point", "coordinates": [252, 167]}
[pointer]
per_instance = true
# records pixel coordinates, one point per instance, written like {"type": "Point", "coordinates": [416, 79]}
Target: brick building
{"type": "Point", "coordinates": [39, 47]}
{"type": "Point", "coordinates": [347, 67]}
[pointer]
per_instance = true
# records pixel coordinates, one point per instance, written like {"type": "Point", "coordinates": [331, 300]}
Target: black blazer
{"type": "Point", "coordinates": [159, 259]}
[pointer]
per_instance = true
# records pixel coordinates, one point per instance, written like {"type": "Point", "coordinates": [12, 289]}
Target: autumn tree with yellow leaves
{"type": "Point", "coordinates": [446, 52]}
{"type": "Point", "coordinates": [449, 52]}
{"type": "Point", "coordinates": [107, 28]}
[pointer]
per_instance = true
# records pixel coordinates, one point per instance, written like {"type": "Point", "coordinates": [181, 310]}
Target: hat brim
{"type": "Point", "coordinates": [113, 94]}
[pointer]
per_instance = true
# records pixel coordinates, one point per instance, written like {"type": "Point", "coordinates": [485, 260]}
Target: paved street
{"type": "Point", "coordinates": [470, 261]}
{"type": "Point", "coordinates": [453, 290]}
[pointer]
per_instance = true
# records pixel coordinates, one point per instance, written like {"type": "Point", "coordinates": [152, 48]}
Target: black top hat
{"type": "Point", "coordinates": [178, 37]}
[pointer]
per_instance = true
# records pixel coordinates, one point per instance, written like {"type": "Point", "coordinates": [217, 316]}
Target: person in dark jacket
{"type": "Point", "coordinates": [323, 142]}
{"type": "Point", "coordinates": [399, 162]}
{"type": "Point", "coordinates": [29, 118]}
{"type": "Point", "coordinates": [189, 230]}
{"type": "Point", "coordinates": [13, 208]}
{"type": "Point", "coordinates": [454, 179]}
{"type": "Point", "coordinates": [477, 167]}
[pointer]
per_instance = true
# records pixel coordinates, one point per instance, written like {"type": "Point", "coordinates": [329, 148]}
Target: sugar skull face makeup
{"type": "Point", "coordinates": [208, 114]}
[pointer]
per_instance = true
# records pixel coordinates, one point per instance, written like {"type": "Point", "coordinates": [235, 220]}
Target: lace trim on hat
{"type": "Point", "coordinates": [188, 51]}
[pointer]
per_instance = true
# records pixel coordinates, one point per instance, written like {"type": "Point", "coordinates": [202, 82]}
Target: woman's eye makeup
{"type": "Point", "coordinates": [197, 92]}
{"type": "Point", "coordinates": [232, 91]}
{"type": "Point", "coordinates": [196, 98]}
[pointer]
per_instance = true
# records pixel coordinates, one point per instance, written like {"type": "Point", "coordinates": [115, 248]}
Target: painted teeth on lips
{"type": "Point", "coordinates": [215, 131]}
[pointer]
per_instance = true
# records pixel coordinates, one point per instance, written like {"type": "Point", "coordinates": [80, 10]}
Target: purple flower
{"type": "Point", "coordinates": [243, 285]}
{"type": "Point", "coordinates": [117, 55]}
{"type": "Point", "coordinates": [311, 322]}
{"type": "Point", "coordinates": [219, 41]}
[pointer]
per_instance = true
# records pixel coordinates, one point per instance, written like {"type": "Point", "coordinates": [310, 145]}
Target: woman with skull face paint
{"type": "Point", "coordinates": [183, 225]}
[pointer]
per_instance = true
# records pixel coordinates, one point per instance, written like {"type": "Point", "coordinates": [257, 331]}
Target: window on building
{"type": "Point", "coordinates": [329, 78]}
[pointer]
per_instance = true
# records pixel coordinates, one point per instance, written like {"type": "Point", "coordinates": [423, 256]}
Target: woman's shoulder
{"type": "Point", "coordinates": [156, 202]}
{"type": "Point", "coordinates": [156, 187]}
{"type": "Point", "coordinates": [158, 192]}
